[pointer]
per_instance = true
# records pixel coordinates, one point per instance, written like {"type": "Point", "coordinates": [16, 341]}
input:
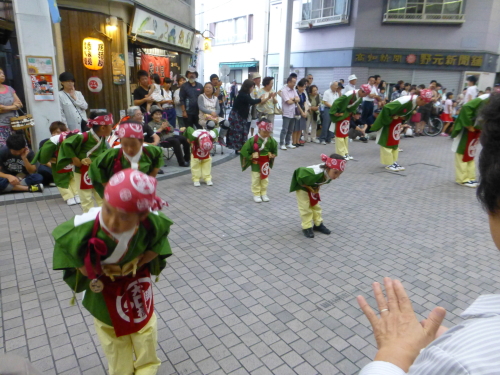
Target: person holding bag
{"type": "Point", "coordinates": [73, 104]}
{"type": "Point", "coordinates": [267, 109]}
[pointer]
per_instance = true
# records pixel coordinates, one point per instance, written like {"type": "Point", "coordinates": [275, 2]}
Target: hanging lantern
{"type": "Point", "coordinates": [93, 53]}
{"type": "Point", "coordinates": [207, 44]}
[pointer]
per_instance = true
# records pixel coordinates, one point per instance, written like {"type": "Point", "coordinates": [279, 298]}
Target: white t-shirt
{"type": "Point", "coordinates": [330, 96]}
{"type": "Point", "coordinates": [448, 104]}
{"type": "Point", "coordinates": [470, 94]}
{"type": "Point", "coordinates": [404, 93]}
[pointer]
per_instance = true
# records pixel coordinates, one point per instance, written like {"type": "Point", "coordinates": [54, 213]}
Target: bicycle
{"type": "Point", "coordinates": [434, 126]}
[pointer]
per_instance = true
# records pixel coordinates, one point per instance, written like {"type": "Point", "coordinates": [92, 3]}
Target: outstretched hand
{"type": "Point", "coordinates": [399, 334]}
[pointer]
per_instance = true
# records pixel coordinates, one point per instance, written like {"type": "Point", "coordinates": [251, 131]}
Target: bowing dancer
{"type": "Point", "coordinates": [110, 254]}
{"type": "Point", "coordinates": [389, 124]}
{"type": "Point", "coordinates": [63, 178]}
{"type": "Point", "coordinates": [201, 161]}
{"type": "Point", "coordinates": [259, 152]}
{"type": "Point", "coordinates": [132, 153]}
{"type": "Point", "coordinates": [306, 182]}
{"type": "Point", "coordinates": [81, 150]}
{"type": "Point", "coordinates": [340, 115]}
{"type": "Point", "coordinates": [465, 134]}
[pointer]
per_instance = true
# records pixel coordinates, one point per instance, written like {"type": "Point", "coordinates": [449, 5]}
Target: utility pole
{"type": "Point", "coordinates": [286, 27]}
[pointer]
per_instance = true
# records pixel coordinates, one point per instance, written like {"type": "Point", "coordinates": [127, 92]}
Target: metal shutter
{"type": "Point", "coordinates": [322, 78]}
{"type": "Point", "coordinates": [392, 75]}
{"type": "Point", "coordinates": [450, 80]}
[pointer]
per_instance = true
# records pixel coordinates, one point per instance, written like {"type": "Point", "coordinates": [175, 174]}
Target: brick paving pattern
{"type": "Point", "coordinates": [245, 292]}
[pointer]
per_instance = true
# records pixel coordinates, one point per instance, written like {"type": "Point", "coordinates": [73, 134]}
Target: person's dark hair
{"type": "Point", "coordinates": [167, 80]}
{"type": "Point", "coordinates": [448, 94]}
{"type": "Point", "coordinates": [58, 125]}
{"type": "Point", "coordinates": [376, 76]}
{"type": "Point", "coordinates": [16, 142]}
{"type": "Point", "coordinates": [333, 156]}
{"type": "Point", "coordinates": [434, 81]}
{"type": "Point", "coordinates": [214, 76]}
{"type": "Point", "coordinates": [397, 88]}
{"type": "Point", "coordinates": [381, 85]}
{"type": "Point", "coordinates": [472, 79]}
{"type": "Point", "coordinates": [371, 77]}
{"type": "Point", "coordinates": [341, 80]}
{"type": "Point", "coordinates": [439, 85]}
{"type": "Point", "coordinates": [413, 87]}
{"type": "Point", "coordinates": [488, 89]}
{"type": "Point", "coordinates": [294, 75]}
{"type": "Point", "coordinates": [302, 82]}
{"type": "Point", "coordinates": [310, 89]}
{"type": "Point", "coordinates": [142, 73]}
{"type": "Point", "coordinates": [407, 84]}
{"type": "Point", "coordinates": [400, 82]}
{"type": "Point", "coordinates": [421, 87]}
{"type": "Point", "coordinates": [181, 77]}
{"type": "Point", "coordinates": [247, 85]}
{"type": "Point", "coordinates": [289, 79]}
{"type": "Point", "coordinates": [266, 81]}
{"type": "Point", "coordinates": [156, 78]}
{"type": "Point", "coordinates": [489, 160]}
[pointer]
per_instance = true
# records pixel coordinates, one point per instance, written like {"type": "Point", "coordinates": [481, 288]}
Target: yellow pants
{"type": "Point", "coordinates": [86, 195]}
{"type": "Point", "coordinates": [259, 187]}
{"type": "Point", "coordinates": [308, 213]}
{"type": "Point", "coordinates": [464, 172]}
{"type": "Point", "coordinates": [388, 156]}
{"type": "Point", "coordinates": [342, 146]}
{"type": "Point", "coordinates": [120, 350]}
{"type": "Point", "coordinates": [201, 169]}
{"type": "Point", "coordinates": [71, 191]}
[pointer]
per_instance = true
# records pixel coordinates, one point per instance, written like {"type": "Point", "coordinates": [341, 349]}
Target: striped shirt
{"type": "Point", "coordinates": [470, 348]}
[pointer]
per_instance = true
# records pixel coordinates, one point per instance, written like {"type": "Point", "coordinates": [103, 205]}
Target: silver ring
{"type": "Point", "coordinates": [381, 311]}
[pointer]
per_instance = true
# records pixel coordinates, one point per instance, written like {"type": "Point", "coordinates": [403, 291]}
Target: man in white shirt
{"type": "Point", "coordinates": [329, 97]}
{"type": "Point", "coordinates": [367, 106]}
{"type": "Point", "coordinates": [471, 92]}
{"type": "Point", "coordinates": [351, 85]}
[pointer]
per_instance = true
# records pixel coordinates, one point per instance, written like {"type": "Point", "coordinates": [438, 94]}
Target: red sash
{"type": "Point", "coordinates": [394, 133]}
{"type": "Point", "coordinates": [471, 146]}
{"type": "Point", "coordinates": [264, 166]}
{"type": "Point", "coordinates": [313, 198]}
{"type": "Point", "coordinates": [342, 128]}
{"type": "Point", "coordinates": [202, 146]}
{"type": "Point", "coordinates": [130, 301]}
{"type": "Point", "coordinates": [85, 182]}
{"type": "Point", "coordinates": [66, 169]}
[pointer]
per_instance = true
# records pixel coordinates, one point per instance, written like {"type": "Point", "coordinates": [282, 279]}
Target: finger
{"type": "Point", "coordinates": [392, 300]}
{"type": "Point", "coordinates": [433, 322]}
{"type": "Point", "coordinates": [368, 311]}
{"type": "Point", "coordinates": [379, 297]}
{"type": "Point", "coordinates": [403, 299]}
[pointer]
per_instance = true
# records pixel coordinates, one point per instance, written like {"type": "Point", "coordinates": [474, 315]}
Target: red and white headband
{"type": "Point", "coordinates": [133, 191]}
{"type": "Point", "coordinates": [101, 120]}
{"type": "Point", "coordinates": [130, 130]}
{"type": "Point", "coordinates": [265, 125]}
{"type": "Point", "coordinates": [338, 164]}
{"type": "Point", "coordinates": [366, 88]}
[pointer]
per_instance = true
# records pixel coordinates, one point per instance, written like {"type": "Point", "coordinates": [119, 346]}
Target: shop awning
{"type": "Point", "coordinates": [149, 43]}
{"type": "Point", "coordinates": [240, 64]}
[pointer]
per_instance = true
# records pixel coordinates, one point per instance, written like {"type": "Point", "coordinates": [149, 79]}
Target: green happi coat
{"type": "Point", "coordinates": [346, 104]}
{"type": "Point", "coordinates": [313, 176]}
{"type": "Point", "coordinates": [75, 147]}
{"type": "Point", "coordinates": [247, 151]}
{"type": "Point", "coordinates": [467, 117]}
{"type": "Point", "coordinates": [46, 153]}
{"type": "Point", "coordinates": [71, 246]}
{"type": "Point", "coordinates": [101, 169]}
{"type": "Point", "coordinates": [190, 130]}
{"type": "Point", "coordinates": [402, 107]}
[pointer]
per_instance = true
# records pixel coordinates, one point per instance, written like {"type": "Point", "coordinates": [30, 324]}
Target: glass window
{"type": "Point", "coordinates": [425, 7]}
{"type": "Point", "coordinates": [340, 7]}
{"type": "Point", "coordinates": [306, 10]}
{"type": "Point", "coordinates": [312, 9]}
{"type": "Point", "coordinates": [231, 31]}
{"type": "Point", "coordinates": [240, 29]}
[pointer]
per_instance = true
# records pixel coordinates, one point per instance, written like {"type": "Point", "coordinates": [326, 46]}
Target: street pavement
{"type": "Point", "coordinates": [245, 292]}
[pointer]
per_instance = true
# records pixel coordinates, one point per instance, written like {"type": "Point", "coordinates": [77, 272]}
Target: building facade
{"type": "Point", "coordinates": [410, 40]}
{"type": "Point", "coordinates": [238, 38]}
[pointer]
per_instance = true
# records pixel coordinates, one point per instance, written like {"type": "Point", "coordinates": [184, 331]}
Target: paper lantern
{"type": "Point", "coordinates": [93, 53]}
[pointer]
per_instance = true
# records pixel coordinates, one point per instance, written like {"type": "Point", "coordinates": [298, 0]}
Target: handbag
{"type": "Point", "coordinates": [416, 117]}
{"type": "Point", "coordinates": [277, 109]}
{"type": "Point", "coordinates": [83, 123]}
{"type": "Point", "coordinates": [22, 122]}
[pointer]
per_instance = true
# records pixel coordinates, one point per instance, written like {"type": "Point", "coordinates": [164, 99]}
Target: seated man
{"type": "Point", "coordinates": [357, 128]}
{"type": "Point", "coordinates": [16, 171]}
{"type": "Point", "coordinates": [165, 137]}
{"type": "Point", "coordinates": [56, 128]}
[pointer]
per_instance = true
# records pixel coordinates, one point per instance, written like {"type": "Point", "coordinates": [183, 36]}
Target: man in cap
{"type": "Point", "coordinates": [351, 85]}
{"type": "Point", "coordinates": [111, 253]}
{"type": "Point", "coordinates": [189, 99]}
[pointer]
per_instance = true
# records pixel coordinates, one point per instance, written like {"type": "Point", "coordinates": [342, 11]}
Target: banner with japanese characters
{"type": "Point", "coordinates": [156, 64]}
